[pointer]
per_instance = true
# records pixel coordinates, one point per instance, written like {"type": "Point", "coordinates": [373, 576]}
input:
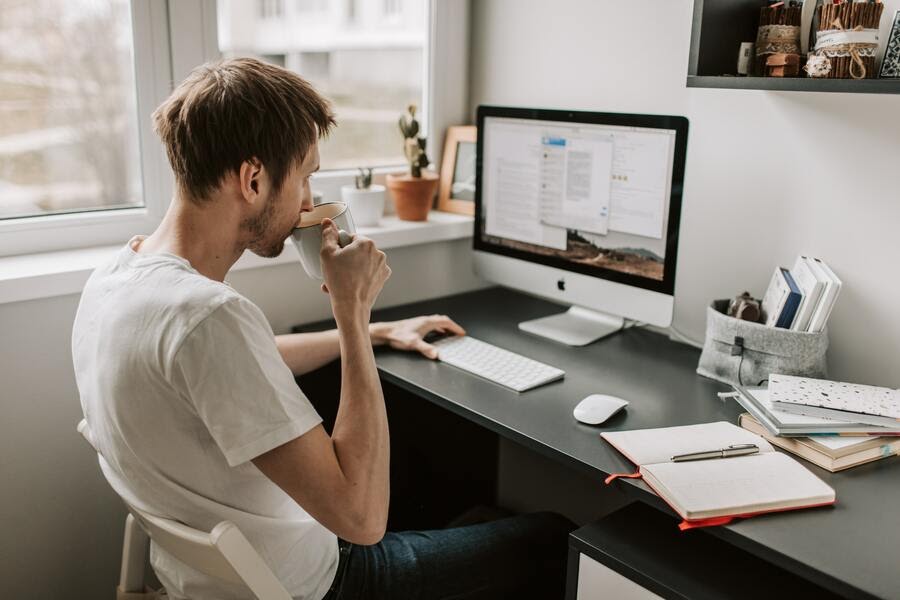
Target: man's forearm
{"type": "Point", "coordinates": [305, 352]}
{"type": "Point", "coordinates": [360, 435]}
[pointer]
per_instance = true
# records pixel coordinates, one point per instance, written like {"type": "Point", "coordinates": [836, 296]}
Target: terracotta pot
{"type": "Point", "coordinates": [413, 196]}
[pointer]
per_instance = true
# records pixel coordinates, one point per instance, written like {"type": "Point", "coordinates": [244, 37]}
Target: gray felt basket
{"type": "Point", "coordinates": [744, 353]}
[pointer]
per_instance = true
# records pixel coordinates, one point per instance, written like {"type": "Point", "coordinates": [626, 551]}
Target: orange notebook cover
{"type": "Point", "coordinates": [716, 491]}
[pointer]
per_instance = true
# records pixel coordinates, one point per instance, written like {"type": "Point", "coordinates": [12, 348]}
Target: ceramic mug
{"type": "Point", "coordinates": [308, 234]}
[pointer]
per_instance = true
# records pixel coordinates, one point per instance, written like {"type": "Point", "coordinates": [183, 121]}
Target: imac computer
{"type": "Point", "coordinates": [581, 208]}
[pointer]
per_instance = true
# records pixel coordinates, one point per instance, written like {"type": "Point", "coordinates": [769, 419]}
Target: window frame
{"type": "Point", "coordinates": [445, 99]}
{"type": "Point", "coordinates": [166, 47]}
{"type": "Point", "coordinates": [152, 68]}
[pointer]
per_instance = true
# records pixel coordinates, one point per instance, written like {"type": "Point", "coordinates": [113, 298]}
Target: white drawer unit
{"type": "Point", "coordinates": [596, 581]}
{"type": "Point", "coordinates": [638, 553]}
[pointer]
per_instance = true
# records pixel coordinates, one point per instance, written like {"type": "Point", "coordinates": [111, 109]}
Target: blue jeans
{"type": "Point", "coordinates": [517, 557]}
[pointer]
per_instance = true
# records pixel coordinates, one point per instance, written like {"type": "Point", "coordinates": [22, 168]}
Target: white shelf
{"type": "Point", "coordinates": [49, 274]}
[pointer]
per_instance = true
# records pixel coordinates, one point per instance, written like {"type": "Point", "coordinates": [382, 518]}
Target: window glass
{"type": "Point", "coordinates": [68, 116]}
{"type": "Point", "coordinates": [366, 56]}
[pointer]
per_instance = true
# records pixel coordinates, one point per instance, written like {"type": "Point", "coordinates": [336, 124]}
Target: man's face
{"type": "Point", "coordinates": [281, 212]}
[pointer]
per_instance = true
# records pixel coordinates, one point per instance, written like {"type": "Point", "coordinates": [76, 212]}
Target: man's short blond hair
{"type": "Point", "coordinates": [234, 110]}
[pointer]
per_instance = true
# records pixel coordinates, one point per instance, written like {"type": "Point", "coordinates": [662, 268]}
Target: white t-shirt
{"type": "Point", "coordinates": [182, 384]}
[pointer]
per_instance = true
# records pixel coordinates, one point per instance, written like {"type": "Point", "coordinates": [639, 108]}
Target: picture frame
{"type": "Point", "coordinates": [457, 187]}
{"type": "Point", "coordinates": [890, 63]}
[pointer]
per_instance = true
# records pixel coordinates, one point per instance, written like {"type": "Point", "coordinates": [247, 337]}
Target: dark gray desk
{"type": "Point", "coordinates": [851, 548]}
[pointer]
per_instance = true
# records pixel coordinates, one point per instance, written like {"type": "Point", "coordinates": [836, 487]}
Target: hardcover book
{"type": "Point", "coordinates": [831, 452]}
{"type": "Point", "coordinates": [805, 275]}
{"type": "Point", "coordinates": [789, 424]}
{"type": "Point", "coordinates": [781, 300]}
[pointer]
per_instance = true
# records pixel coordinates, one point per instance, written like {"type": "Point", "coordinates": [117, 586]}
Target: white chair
{"type": "Point", "coordinates": [223, 553]}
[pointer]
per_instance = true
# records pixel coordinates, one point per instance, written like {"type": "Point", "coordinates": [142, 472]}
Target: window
{"type": "Point", "coordinates": [68, 115]}
{"type": "Point", "coordinates": [270, 9]}
{"type": "Point", "coordinates": [79, 163]}
{"type": "Point", "coordinates": [312, 6]}
{"type": "Point", "coordinates": [392, 8]}
{"type": "Point", "coordinates": [371, 70]}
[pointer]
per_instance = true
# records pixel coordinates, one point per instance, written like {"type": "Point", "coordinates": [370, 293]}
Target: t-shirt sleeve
{"type": "Point", "coordinates": [239, 385]}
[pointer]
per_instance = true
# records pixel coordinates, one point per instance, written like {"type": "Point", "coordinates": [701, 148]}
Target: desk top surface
{"type": "Point", "coordinates": [850, 547]}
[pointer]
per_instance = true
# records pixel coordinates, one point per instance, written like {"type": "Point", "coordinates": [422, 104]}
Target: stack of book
{"type": "Point", "coordinates": [801, 298]}
{"type": "Point", "coordinates": [836, 441]}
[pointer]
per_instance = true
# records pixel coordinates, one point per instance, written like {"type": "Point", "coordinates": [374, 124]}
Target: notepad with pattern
{"type": "Point", "coordinates": [835, 400]}
{"type": "Point", "coordinates": [715, 491]}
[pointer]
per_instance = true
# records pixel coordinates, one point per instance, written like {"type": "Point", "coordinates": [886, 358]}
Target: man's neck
{"type": "Point", "coordinates": [206, 234]}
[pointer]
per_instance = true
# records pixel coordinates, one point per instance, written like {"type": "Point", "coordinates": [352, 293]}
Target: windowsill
{"type": "Point", "coordinates": [49, 274]}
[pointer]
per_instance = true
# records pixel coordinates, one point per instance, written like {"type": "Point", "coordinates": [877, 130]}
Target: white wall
{"type": "Point", "coordinates": [60, 523]}
{"type": "Point", "coordinates": [769, 174]}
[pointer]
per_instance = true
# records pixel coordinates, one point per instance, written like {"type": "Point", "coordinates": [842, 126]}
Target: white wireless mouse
{"type": "Point", "coordinates": [597, 408]}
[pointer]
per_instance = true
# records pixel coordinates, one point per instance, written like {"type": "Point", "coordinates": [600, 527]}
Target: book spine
{"type": "Point", "coordinates": [776, 295]}
{"type": "Point", "coordinates": [811, 286]}
{"type": "Point", "coordinates": [829, 297]}
{"type": "Point", "coordinates": [890, 423]}
{"type": "Point", "coordinates": [792, 446]}
{"type": "Point", "coordinates": [789, 312]}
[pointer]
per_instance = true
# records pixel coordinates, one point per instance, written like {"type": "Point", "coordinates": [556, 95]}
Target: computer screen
{"type": "Point", "coordinates": [591, 193]}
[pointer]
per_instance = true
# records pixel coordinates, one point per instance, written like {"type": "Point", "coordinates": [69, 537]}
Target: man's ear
{"type": "Point", "coordinates": [250, 176]}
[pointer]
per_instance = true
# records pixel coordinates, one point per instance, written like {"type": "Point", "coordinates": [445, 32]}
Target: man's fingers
{"type": "Point", "coordinates": [330, 235]}
{"type": "Point", "coordinates": [445, 323]}
{"type": "Point", "coordinates": [426, 349]}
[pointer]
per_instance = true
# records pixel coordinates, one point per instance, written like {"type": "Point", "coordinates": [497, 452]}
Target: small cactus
{"type": "Point", "coordinates": [413, 144]}
{"type": "Point", "coordinates": [364, 179]}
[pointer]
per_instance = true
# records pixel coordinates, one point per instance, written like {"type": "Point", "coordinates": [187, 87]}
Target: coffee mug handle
{"type": "Point", "coordinates": [344, 238]}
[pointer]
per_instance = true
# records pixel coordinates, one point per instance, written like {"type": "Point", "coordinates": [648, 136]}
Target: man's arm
{"type": "Point", "coordinates": [343, 481]}
{"type": "Point", "coordinates": [305, 352]}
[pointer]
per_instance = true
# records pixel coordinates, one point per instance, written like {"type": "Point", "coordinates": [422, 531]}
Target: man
{"type": "Point", "coordinates": [191, 398]}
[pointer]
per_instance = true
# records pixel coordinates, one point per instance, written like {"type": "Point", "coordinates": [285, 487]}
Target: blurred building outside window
{"type": "Point", "coordinates": [270, 9]}
{"type": "Point", "coordinates": [366, 56]}
{"type": "Point", "coordinates": [68, 108]}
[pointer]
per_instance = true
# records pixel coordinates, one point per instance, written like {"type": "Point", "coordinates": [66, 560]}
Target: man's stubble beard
{"type": "Point", "coordinates": [257, 229]}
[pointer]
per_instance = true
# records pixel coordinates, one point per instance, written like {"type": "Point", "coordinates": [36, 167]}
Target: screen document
{"type": "Point", "coordinates": [591, 194]}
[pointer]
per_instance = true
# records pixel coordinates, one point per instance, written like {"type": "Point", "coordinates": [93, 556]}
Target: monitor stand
{"type": "Point", "coordinates": [575, 327]}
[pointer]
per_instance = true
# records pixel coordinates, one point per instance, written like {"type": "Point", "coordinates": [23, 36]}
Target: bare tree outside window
{"type": "Point", "coordinates": [68, 117]}
{"type": "Point", "coordinates": [366, 56]}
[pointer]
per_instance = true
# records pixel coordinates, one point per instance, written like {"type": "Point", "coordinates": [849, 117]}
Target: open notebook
{"type": "Point", "coordinates": [714, 491]}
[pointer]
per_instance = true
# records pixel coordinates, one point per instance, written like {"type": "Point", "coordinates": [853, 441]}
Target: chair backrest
{"type": "Point", "coordinates": [223, 553]}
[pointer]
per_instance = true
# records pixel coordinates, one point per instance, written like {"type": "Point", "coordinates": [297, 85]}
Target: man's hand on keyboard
{"type": "Point", "coordinates": [409, 334]}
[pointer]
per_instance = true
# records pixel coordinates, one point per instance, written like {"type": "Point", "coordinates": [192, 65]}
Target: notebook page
{"type": "Point", "coordinates": [648, 446]}
{"type": "Point", "coordinates": [838, 442]}
{"type": "Point", "coordinates": [733, 486]}
{"type": "Point", "coordinates": [837, 395]}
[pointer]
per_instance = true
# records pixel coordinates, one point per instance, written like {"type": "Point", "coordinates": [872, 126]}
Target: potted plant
{"type": "Point", "coordinates": [413, 192]}
{"type": "Point", "coordinates": [366, 201]}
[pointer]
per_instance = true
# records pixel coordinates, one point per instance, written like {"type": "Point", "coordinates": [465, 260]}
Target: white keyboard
{"type": "Point", "coordinates": [501, 366]}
